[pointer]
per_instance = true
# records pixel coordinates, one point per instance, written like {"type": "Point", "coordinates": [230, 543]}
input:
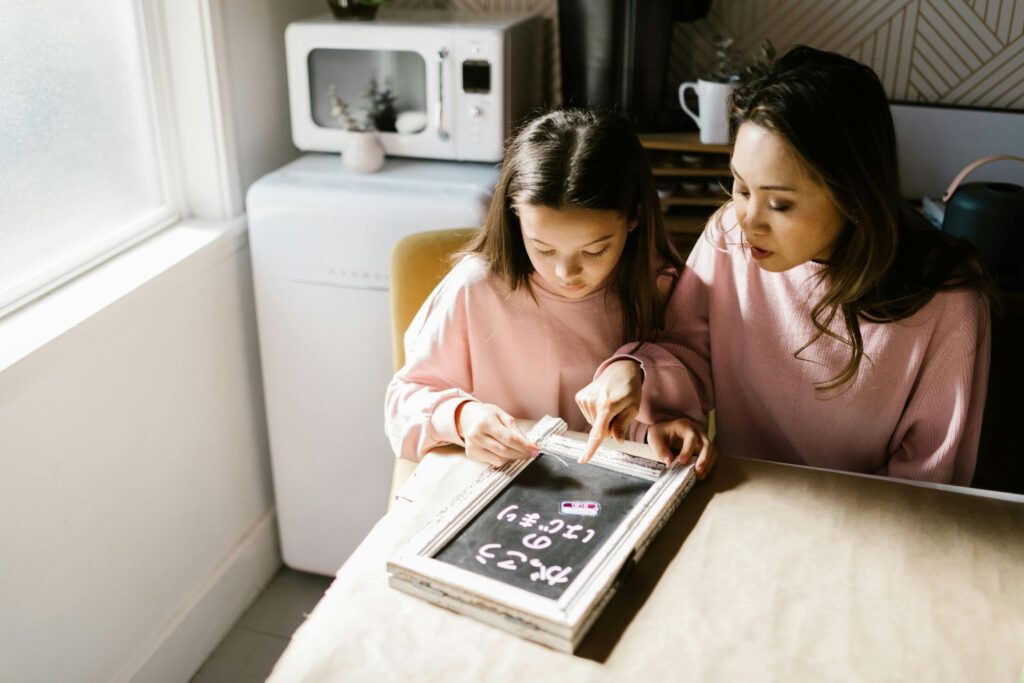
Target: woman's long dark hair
{"type": "Point", "coordinates": [583, 159]}
{"type": "Point", "coordinates": [889, 261]}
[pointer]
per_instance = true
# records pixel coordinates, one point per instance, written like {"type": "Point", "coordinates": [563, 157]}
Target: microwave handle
{"type": "Point", "coordinates": [439, 123]}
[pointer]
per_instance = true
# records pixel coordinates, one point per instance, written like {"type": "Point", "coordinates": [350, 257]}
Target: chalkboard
{"type": "Point", "coordinates": [539, 533]}
{"type": "Point", "coordinates": [535, 547]}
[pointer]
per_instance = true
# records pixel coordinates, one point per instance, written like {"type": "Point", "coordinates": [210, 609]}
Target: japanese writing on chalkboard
{"type": "Point", "coordinates": [540, 539]}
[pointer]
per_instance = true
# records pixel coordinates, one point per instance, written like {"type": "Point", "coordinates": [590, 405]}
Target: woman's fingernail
{"type": "Point", "coordinates": [534, 452]}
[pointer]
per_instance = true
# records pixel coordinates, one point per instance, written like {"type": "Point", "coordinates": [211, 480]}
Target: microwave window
{"type": "Point", "coordinates": [476, 76]}
{"type": "Point", "coordinates": [385, 89]}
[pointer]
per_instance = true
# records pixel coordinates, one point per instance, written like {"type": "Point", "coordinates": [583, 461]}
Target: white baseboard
{"type": "Point", "coordinates": [181, 647]}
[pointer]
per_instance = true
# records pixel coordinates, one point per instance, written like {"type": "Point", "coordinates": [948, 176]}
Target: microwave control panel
{"type": "Point", "coordinates": [476, 76]}
{"type": "Point", "coordinates": [479, 120]}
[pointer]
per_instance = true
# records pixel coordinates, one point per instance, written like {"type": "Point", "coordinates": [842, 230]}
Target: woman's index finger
{"type": "Point", "coordinates": [598, 433]}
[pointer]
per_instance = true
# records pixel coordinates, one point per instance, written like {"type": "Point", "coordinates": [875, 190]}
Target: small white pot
{"type": "Point", "coordinates": [363, 152]}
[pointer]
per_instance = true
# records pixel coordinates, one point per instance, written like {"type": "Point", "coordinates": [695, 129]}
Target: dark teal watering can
{"type": "Point", "coordinates": [991, 216]}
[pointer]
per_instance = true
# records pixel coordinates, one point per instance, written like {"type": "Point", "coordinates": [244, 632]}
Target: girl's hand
{"type": "Point", "coordinates": [610, 403]}
{"type": "Point", "coordinates": [682, 438]}
{"type": "Point", "coordinates": [491, 435]}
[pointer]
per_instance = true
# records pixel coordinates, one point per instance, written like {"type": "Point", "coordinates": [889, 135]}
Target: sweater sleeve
{"type": "Point", "coordinates": [677, 364]}
{"type": "Point", "coordinates": [424, 394]}
{"type": "Point", "coordinates": [937, 436]}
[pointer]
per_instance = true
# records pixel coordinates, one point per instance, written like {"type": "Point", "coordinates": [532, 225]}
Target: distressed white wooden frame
{"type": "Point", "coordinates": [557, 623]}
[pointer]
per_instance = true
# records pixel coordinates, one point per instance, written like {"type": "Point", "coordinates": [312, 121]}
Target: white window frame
{"type": "Point", "coordinates": [199, 106]}
{"type": "Point", "coordinates": [195, 151]}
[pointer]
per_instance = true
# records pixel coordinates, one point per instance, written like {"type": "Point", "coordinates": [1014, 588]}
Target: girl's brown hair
{"type": "Point", "coordinates": [889, 261]}
{"type": "Point", "coordinates": [584, 159]}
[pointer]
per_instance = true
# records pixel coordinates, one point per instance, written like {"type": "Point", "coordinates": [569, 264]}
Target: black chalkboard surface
{"type": "Point", "coordinates": [544, 527]}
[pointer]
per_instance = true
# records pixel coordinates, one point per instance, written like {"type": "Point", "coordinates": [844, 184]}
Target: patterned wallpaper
{"type": "Point", "coordinates": [963, 52]}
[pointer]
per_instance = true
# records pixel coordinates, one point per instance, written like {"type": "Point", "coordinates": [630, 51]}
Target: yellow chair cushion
{"type": "Point", "coordinates": [418, 262]}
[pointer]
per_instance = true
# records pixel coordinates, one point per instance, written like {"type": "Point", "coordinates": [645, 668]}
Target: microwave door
{"type": "Point", "coordinates": [397, 79]}
{"type": "Point", "coordinates": [424, 128]}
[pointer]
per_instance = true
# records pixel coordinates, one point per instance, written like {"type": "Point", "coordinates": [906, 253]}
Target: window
{"type": "Point", "coordinates": [83, 169]}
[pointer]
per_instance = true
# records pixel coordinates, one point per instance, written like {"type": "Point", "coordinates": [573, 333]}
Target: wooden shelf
{"type": "Point", "coordinates": [681, 142]}
{"type": "Point", "coordinates": [689, 223]}
{"type": "Point", "coordinates": [710, 162]}
{"type": "Point", "coordinates": [690, 171]}
{"type": "Point", "coordinates": [694, 201]}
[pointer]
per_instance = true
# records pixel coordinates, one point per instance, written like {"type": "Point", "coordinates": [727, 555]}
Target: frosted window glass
{"type": "Point", "coordinates": [78, 158]}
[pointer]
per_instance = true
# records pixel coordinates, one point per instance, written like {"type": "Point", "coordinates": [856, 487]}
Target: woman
{"type": "Point", "coordinates": [821, 316]}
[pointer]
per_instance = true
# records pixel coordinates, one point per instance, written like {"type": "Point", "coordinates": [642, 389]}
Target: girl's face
{"type": "Point", "coordinates": [788, 218]}
{"type": "Point", "coordinates": [574, 250]}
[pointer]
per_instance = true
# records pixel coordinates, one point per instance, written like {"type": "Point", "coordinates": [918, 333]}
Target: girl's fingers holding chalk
{"type": "Point", "coordinates": [512, 436]}
{"type": "Point", "coordinates": [508, 442]}
{"type": "Point", "coordinates": [483, 455]}
{"type": "Point", "coordinates": [496, 445]}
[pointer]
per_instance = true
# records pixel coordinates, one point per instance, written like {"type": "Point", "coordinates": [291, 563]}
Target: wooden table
{"type": "Point", "coordinates": [766, 572]}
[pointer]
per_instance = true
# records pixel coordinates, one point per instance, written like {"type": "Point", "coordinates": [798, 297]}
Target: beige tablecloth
{"type": "Point", "coordinates": [766, 573]}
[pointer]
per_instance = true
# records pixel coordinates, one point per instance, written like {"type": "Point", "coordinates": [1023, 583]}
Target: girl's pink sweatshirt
{"type": "Point", "coordinates": [913, 411]}
{"type": "Point", "coordinates": [475, 340]}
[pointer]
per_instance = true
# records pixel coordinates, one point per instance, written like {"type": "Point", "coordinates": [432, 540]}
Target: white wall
{"type": "Point", "coordinates": [136, 507]}
{"type": "Point", "coordinates": [135, 460]}
{"type": "Point", "coordinates": [258, 88]}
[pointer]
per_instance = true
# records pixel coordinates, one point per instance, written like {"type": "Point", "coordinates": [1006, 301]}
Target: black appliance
{"type": "Point", "coordinates": [615, 55]}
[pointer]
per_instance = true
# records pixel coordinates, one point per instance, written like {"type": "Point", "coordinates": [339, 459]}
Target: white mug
{"type": "Point", "coordinates": [713, 103]}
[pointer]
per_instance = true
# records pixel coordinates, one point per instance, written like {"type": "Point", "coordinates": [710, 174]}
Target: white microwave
{"type": "Point", "coordinates": [436, 84]}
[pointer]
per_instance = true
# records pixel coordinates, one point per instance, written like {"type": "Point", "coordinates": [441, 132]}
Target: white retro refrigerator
{"type": "Point", "coordinates": [320, 239]}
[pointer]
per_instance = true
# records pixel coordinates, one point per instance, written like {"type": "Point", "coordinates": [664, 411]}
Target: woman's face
{"type": "Point", "coordinates": [574, 250]}
{"type": "Point", "coordinates": [788, 218]}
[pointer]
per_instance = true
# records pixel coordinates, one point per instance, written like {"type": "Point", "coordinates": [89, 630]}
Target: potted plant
{"type": "Point", "coordinates": [363, 152]}
{"type": "Point", "coordinates": [715, 88]}
{"type": "Point", "coordinates": [380, 106]}
{"type": "Point", "coordinates": [354, 9]}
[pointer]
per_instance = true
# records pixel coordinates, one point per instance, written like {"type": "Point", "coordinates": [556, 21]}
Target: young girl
{"type": "Point", "coordinates": [572, 262]}
{"type": "Point", "coordinates": [825, 321]}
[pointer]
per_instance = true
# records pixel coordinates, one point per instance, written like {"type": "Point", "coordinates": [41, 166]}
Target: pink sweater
{"type": "Point", "coordinates": [914, 410]}
{"type": "Point", "coordinates": [473, 340]}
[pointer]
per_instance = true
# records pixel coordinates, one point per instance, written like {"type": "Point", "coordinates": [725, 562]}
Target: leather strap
{"type": "Point", "coordinates": [972, 166]}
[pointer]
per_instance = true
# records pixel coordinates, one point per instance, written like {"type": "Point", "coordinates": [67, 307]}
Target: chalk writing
{"type": "Point", "coordinates": [507, 515]}
{"type": "Point", "coordinates": [543, 529]}
{"type": "Point", "coordinates": [551, 527]}
{"type": "Point", "coordinates": [552, 575]}
{"type": "Point", "coordinates": [529, 520]}
{"type": "Point", "coordinates": [510, 564]}
{"type": "Point", "coordinates": [536, 541]}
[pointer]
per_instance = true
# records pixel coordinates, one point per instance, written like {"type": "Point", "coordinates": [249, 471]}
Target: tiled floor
{"type": "Point", "coordinates": [249, 651]}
